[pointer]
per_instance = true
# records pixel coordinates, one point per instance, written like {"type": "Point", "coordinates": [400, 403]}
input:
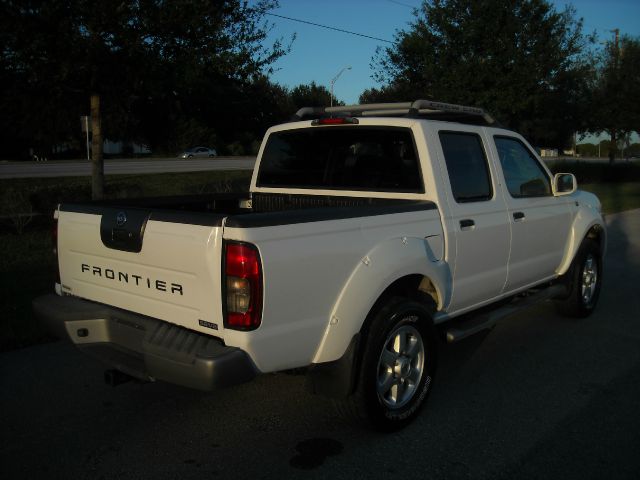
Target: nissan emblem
{"type": "Point", "coordinates": [121, 218]}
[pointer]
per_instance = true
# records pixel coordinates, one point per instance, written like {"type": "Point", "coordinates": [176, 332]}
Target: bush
{"type": "Point", "coordinates": [235, 148]}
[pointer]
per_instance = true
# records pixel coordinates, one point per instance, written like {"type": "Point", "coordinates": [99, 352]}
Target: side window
{"type": "Point", "coordinates": [522, 172]}
{"type": "Point", "coordinates": [467, 166]}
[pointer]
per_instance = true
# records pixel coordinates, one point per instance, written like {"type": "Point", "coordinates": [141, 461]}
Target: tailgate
{"type": "Point", "coordinates": [163, 264]}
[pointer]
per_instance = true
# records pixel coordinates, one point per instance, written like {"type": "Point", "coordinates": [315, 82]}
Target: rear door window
{"type": "Point", "coordinates": [342, 158]}
{"type": "Point", "coordinates": [467, 166]}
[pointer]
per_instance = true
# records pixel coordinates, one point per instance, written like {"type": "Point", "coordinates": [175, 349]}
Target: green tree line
{"type": "Point", "coordinates": [173, 73]}
{"type": "Point", "coordinates": [169, 74]}
{"type": "Point", "coordinates": [531, 66]}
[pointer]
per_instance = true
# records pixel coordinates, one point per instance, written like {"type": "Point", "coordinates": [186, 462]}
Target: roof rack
{"type": "Point", "coordinates": [416, 109]}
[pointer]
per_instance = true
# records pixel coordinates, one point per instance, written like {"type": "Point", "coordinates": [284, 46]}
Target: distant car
{"type": "Point", "coordinates": [199, 152]}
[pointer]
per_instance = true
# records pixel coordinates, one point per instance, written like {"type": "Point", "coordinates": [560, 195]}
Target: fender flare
{"type": "Point", "coordinates": [582, 227]}
{"type": "Point", "coordinates": [382, 266]}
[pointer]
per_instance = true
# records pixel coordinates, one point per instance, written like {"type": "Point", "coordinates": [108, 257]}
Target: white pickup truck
{"type": "Point", "coordinates": [368, 231]}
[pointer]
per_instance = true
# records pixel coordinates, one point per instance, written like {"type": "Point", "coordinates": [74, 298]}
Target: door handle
{"type": "Point", "coordinates": [467, 223]}
{"type": "Point", "coordinates": [518, 216]}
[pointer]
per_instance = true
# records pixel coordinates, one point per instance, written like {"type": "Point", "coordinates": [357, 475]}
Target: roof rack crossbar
{"type": "Point", "coordinates": [452, 108]}
{"type": "Point", "coordinates": [355, 109]}
{"type": "Point", "coordinates": [410, 109]}
{"type": "Point", "coordinates": [308, 112]}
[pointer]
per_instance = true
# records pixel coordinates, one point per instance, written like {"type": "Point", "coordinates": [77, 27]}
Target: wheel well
{"type": "Point", "coordinates": [416, 287]}
{"type": "Point", "coordinates": [596, 233]}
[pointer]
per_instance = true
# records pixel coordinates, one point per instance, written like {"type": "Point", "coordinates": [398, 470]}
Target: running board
{"type": "Point", "coordinates": [488, 320]}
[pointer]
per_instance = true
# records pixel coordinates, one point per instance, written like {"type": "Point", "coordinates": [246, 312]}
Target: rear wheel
{"type": "Point", "coordinates": [584, 280]}
{"type": "Point", "coordinates": [396, 368]}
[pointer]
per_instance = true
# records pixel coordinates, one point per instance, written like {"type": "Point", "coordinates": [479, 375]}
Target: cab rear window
{"type": "Point", "coordinates": [342, 158]}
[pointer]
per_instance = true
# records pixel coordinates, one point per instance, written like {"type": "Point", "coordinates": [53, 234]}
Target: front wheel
{"type": "Point", "coordinates": [584, 280]}
{"type": "Point", "coordinates": [397, 366]}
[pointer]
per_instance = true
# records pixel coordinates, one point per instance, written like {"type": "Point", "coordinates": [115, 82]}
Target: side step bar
{"type": "Point", "coordinates": [486, 321]}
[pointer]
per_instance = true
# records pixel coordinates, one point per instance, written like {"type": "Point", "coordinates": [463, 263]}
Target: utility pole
{"type": "Point", "coordinates": [97, 163]}
{"type": "Point", "coordinates": [613, 147]}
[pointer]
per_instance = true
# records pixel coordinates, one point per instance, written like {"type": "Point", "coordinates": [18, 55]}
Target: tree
{"type": "Point", "coordinates": [587, 149]}
{"type": "Point", "coordinates": [521, 60]}
{"type": "Point", "coordinates": [311, 95]}
{"type": "Point", "coordinates": [616, 95]}
{"type": "Point", "coordinates": [152, 65]}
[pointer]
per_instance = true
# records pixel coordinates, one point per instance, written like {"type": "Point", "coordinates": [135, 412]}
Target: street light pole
{"type": "Point", "coordinates": [333, 81]}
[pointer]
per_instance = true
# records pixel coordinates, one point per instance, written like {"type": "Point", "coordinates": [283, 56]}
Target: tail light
{"type": "Point", "coordinates": [335, 121]}
{"type": "Point", "coordinates": [243, 286]}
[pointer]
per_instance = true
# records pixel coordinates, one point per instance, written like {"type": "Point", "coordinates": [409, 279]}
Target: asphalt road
{"type": "Point", "coordinates": [540, 396]}
{"type": "Point", "coordinates": [122, 166]}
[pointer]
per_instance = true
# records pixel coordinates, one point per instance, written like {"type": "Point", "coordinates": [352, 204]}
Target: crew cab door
{"type": "Point", "coordinates": [476, 219]}
{"type": "Point", "coordinates": [540, 222]}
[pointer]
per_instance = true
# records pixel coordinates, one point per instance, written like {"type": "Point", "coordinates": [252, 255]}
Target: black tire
{"type": "Point", "coordinates": [400, 333]}
{"type": "Point", "coordinates": [583, 281]}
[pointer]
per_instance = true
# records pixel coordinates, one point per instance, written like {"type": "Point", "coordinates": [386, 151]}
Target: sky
{"type": "Point", "coordinates": [319, 54]}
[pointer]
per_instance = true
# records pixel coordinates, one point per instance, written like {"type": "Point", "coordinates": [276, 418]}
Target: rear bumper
{"type": "Point", "coordinates": [144, 347]}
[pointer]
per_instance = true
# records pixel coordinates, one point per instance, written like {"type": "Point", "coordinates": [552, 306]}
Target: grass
{"type": "Point", "coordinates": [41, 195]}
{"type": "Point", "coordinates": [617, 186]}
{"type": "Point", "coordinates": [615, 197]}
{"type": "Point", "coordinates": [26, 271]}
{"type": "Point", "coordinates": [172, 183]}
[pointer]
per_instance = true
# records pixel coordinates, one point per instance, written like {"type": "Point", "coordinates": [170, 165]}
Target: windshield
{"type": "Point", "coordinates": [342, 158]}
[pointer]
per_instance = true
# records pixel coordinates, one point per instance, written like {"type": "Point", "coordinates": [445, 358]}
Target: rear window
{"type": "Point", "coordinates": [342, 158]}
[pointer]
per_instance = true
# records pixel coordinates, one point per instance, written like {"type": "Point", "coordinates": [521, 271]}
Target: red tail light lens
{"type": "Point", "coordinates": [335, 121]}
{"type": "Point", "coordinates": [243, 286]}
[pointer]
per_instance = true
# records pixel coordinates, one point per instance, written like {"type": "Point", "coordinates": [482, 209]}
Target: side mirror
{"type": "Point", "coordinates": [564, 184]}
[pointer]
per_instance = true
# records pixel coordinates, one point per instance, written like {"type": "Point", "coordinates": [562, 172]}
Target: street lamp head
{"type": "Point", "coordinates": [348, 67]}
